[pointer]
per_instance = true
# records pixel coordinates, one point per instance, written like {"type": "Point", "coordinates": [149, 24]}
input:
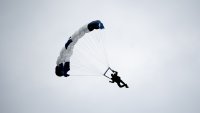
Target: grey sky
{"type": "Point", "coordinates": [154, 44]}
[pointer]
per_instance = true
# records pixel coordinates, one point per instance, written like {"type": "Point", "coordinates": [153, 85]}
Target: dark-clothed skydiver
{"type": "Point", "coordinates": [63, 60]}
{"type": "Point", "coordinates": [117, 79]}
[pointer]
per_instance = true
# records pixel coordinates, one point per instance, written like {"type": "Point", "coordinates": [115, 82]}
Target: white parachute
{"type": "Point", "coordinates": [64, 59]}
{"type": "Point", "coordinates": [66, 52]}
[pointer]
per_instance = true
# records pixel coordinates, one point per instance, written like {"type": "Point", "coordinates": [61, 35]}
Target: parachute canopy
{"type": "Point", "coordinates": [63, 60]}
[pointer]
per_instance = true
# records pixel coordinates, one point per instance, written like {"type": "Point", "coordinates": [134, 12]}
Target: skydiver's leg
{"type": "Point", "coordinates": [123, 84]}
{"type": "Point", "coordinates": [122, 81]}
{"type": "Point", "coordinates": [118, 83]}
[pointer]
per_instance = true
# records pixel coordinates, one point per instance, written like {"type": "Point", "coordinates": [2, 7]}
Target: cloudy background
{"type": "Point", "coordinates": [154, 44]}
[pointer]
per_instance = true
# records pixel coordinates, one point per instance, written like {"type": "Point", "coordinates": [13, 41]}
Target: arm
{"type": "Point", "coordinates": [112, 70]}
{"type": "Point", "coordinates": [115, 72]}
{"type": "Point", "coordinates": [112, 81]}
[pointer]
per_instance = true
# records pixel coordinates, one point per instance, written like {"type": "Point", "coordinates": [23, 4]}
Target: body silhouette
{"type": "Point", "coordinates": [117, 79]}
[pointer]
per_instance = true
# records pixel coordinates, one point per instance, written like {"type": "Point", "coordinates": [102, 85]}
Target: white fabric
{"type": "Point", "coordinates": [65, 54]}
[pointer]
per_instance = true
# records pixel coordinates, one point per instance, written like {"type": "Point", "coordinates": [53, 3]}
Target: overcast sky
{"type": "Point", "coordinates": [154, 45]}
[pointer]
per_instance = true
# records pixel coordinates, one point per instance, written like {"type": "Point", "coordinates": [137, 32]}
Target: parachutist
{"type": "Point", "coordinates": [117, 79]}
